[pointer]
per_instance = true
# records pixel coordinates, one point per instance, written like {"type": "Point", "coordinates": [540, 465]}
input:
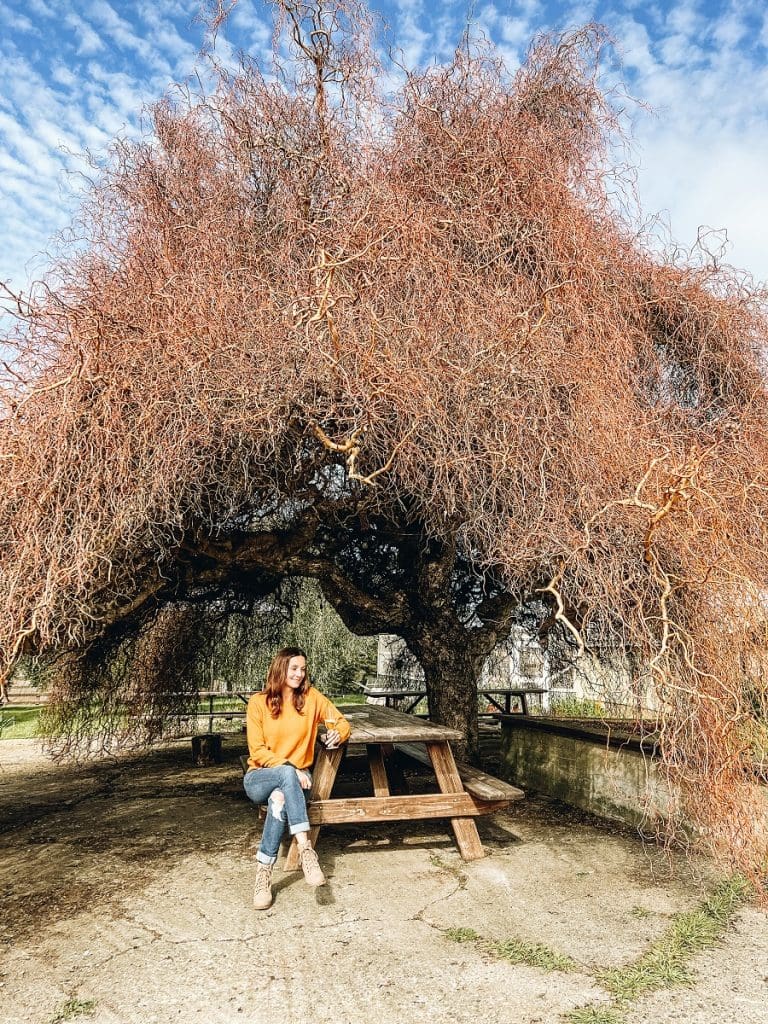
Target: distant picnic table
{"type": "Point", "coordinates": [211, 696]}
{"type": "Point", "coordinates": [406, 699]}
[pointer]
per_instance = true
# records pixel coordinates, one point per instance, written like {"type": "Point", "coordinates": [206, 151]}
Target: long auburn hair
{"type": "Point", "coordinates": [276, 676]}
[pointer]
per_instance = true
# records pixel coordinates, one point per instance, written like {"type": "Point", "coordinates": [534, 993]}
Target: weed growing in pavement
{"type": "Point", "coordinates": [461, 934]}
{"type": "Point", "coordinates": [640, 913]}
{"type": "Point", "coordinates": [533, 954]}
{"type": "Point", "coordinates": [666, 962]}
{"type": "Point", "coordinates": [74, 1008]}
{"type": "Point", "coordinates": [595, 1015]}
{"type": "Point", "coordinates": [457, 873]}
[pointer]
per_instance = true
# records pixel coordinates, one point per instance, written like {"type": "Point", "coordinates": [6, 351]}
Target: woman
{"type": "Point", "coordinates": [282, 725]}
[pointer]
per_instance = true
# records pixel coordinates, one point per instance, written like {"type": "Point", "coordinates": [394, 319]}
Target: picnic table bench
{"type": "Point", "coordinates": [486, 789]}
{"type": "Point", "coordinates": [464, 791]}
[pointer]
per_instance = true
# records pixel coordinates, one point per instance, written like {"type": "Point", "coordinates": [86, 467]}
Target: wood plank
{"type": "Point", "coordinates": [326, 767]}
{"type": "Point", "coordinates": [488, 806]}
{"type": "Point", "coordinates": [378, 771]}
{"type": "Point", "coordinates": [449, 781]}
{"type": "Point", "coordinates": [392, 808]}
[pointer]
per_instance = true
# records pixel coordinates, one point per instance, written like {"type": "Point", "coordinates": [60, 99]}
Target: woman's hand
{"type": "Point", "coordinates": [332, 739]}
{"type": "Point", "coordinates": [304, 780]}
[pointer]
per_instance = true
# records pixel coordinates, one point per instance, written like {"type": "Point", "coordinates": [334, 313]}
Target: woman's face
{"type": "Point", "coordinates": [296, 672]}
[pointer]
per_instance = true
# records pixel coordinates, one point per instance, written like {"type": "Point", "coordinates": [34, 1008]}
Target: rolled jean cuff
{"type": "Point", "coordinates": [262, 858]}
{"type": "Point", "coordinates": [303, 826]}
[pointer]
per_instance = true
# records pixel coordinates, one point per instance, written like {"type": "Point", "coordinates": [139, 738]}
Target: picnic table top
{"type": "Point", "coordinates": [373, 723]}
{"type": "Point", "coordinates": [383, 691]}
{"type": "Point", "coordinates": [512, 691]}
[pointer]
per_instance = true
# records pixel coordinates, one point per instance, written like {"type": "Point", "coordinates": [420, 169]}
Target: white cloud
{"type": "Point", "coordinates": [685, 19]}
{"type": "Point", "coordinates": [88, 41]}
{"type": "Point", "coordinates": [165, 34]}
{"type": "Point", "coordinates": [23, 144]}
{"type": "Point", "coordinates": [15, 20]}
{"type": "Point", "coordinates": [41, 8]}
{"type": "Point", "coordinates": [516, 31]}
{"type": "Point", "coordinates": [729, 31]}
{"type": "Point", "coordinates": [717, 186]}
{"type": "Point", "coordinates": [61, 74]}
{"type": "Point", "coordinates": [678, 50]}
{"type": "Point", "coordinates": [411, 40]}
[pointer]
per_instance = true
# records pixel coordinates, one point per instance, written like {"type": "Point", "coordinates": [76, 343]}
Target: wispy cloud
{"type": "Point", "coordinates": [88, 40]}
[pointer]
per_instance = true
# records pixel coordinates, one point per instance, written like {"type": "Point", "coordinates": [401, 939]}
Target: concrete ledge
{"type": "Point", "coordinates": [607, 732]}
{"type": "Point", "coordinates": [611, 775]}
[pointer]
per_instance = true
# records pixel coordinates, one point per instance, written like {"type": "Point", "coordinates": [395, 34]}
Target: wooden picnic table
{"type": "Point", "coordinates": [214, 695]}
{"type": "Point", "coordinates": [379, 728]}
{"type": "Point", "coordinates": [393, 697]}
{"type": "Point", "coordinates": [507, 693]}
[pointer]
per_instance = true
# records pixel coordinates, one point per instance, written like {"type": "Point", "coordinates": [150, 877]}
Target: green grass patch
{"type": "Point", "coordinates": [640, 913]}
{"type": "Point", "coordinates": [594, 1015]}
{"type": "Point", "coordinates": [532, 954]}
{"type": "Point", "coordinates": [667, 961]}
{"type": "Point", "coordinates": [74, 1008]}
{"type": "Point", "coordinates": [575, 707]}
{"type": "Point", "coordinates": [24, 722]}
{"type": "Point", "coordinates": [461, 934]}
{"type": "Point", "coordinates": [20, 723]}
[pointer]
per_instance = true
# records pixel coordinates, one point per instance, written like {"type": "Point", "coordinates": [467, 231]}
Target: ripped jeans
{"type": "Point", "coordinates": [259, 785]}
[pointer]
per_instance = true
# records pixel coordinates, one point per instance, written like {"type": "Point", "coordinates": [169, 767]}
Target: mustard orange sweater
{"type": "Point", "coordinates": [291, 736]}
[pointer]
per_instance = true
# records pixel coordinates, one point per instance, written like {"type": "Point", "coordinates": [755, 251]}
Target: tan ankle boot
{"type": "Point", "coordinates": [310, 865]}
{"type": "Point", "coordinates": [262, 891]}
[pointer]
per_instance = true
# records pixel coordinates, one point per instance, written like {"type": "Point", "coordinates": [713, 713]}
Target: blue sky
{"type": "Point", "coordinates": [74, 73]}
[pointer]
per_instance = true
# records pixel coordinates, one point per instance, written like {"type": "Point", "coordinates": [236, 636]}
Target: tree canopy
{"type": "Point", "coordinates": [394, 331]}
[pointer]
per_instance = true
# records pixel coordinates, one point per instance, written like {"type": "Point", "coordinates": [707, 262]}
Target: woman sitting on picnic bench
{"type": "Point", "coordinates": [282, 724]}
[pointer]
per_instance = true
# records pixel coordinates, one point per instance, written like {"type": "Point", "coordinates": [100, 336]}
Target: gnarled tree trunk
{"type": "Point", "coordinates": [451, 672]}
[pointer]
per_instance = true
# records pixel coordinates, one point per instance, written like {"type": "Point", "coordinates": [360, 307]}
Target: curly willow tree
{"type": "Point", "coordinates": [405, 342]}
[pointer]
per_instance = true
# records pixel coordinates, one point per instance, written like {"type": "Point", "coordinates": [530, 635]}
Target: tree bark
{"type": "Point", "coordinates": [451, 674]}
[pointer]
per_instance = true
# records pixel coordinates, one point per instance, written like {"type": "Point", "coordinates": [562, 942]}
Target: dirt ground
{"type": "Point", "coordinates": [126, 899]}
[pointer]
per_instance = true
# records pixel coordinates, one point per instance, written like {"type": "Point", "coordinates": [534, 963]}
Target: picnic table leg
{"type": "Point", "coordinates": [396, 780]}
{"type": "Point", "coordinates": [449, 781]}
{"type": "Point", "coordinates": [492, 700]}
{"type": "Point", "coordinates": [328, 762]}
{"type": "Point", "coordinates": [378, 771]}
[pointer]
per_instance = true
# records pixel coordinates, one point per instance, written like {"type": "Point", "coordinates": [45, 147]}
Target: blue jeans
{"type": "Point", "coordinates": [259, 783]}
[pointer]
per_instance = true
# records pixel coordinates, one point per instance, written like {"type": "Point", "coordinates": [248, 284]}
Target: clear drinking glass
{"type": "Point", "coordinates": [330, 723]}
